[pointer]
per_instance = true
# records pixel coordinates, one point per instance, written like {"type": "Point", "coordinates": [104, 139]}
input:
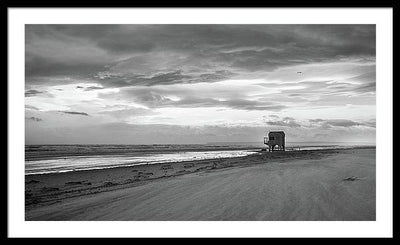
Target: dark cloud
{"type": "Point", "coordinates": [166, 54]}
{"type": "Point", "coordinates": [36, 66]}
{"type": "Point", "coordinates": [370, 123]}
{"type": "Point", "coordinates": [215, 76]}
{"type": "Point", "coordinates": [369, 87]}
{"type": "Point", "coordinates": [288, 118]}
{"type": "Point", "coordinates": [316, 120]}
{"type": "Point", "coordinates": [93, 88]}
{"type": "Point", "coordinates": [118, 45]}
{"type": "Point", "coordinates": [89, 88]}
{"type": "Point", "coordinates": [156, 99]}
{"type": "Point", "coordinates": [75, 113]}
{"type": "Point", "coordinates": [144, 38]}
{"type": "Point", "coordinates": [149, 98]}
{"type": "Point", "coordinates": [342, 123]}
{"type": "Point", "coordinates": [166, 78]}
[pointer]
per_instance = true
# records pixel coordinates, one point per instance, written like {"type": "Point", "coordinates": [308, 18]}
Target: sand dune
{"type": "Point", "coordinates": [311, 185]}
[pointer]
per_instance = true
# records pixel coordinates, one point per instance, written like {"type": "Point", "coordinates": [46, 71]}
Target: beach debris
{"type": "Point", "coordinates": [165, 167]}
{"type": "Point", "coordinates": [188, 165]}
{"type": "Point", "coordinates": [109, 183]}
{"type": "Point", "coordinates": [135, 179]}
{"type": "Point", "coordinates": [33, 181]}
{"type": "Point", "coordinates": [127, 181]}
{"type": "Point", "coordinates": [202, 168]}
{"type": "Point", "coordinates": [141, 174]}
{"type": "Point", "coordinates": [74, 183]}
{"type": "Point", "coordinates": [352, 178]}
{"type": "Point", "coordinates": [134, 170]}
{"type": "Point", "coordinates": [182, 172]}
{"type": "Point", "coordinates": [78, 183]}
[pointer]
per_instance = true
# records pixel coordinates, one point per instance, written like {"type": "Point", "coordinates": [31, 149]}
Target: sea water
{"type": "Point", "coordinates": [43, 159]}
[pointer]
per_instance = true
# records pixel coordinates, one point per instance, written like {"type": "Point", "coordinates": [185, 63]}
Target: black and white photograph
{"type": "Point", "coordinates": [200, 121]}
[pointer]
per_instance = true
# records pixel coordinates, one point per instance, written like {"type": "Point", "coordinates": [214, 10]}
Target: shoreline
{"type": "Point", "coordinates": [253, 150]}
{"type": "Point", "coordinates": [131, 152]}
{"type": "Point", "coordinates": [47, 189]}
{"type": "Point", "coordinates": [33, 155]}
{"type": "Point", "coordinates": [139, 164]}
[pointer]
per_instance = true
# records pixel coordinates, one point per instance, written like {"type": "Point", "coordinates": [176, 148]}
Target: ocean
{"type": "Point", "coordinates": [44, 159]}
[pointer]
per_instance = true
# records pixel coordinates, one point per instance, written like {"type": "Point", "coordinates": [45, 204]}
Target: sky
{"type": "Point", "coordinates": [185, 84]}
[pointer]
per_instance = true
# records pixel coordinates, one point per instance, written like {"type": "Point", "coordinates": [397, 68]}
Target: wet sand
{"type": "Point", "coordinates": [300, 185]}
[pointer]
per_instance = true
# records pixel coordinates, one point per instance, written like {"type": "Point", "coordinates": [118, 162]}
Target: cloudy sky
{"type": "Point", "coordinates": [140, 84]}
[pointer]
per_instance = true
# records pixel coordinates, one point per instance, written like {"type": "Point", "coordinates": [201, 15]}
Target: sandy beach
{"type": "Point", "coordinates": [336, 184]}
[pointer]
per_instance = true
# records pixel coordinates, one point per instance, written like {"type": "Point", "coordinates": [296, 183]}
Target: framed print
{"type": "Point", "coordinates": [185, 122]}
